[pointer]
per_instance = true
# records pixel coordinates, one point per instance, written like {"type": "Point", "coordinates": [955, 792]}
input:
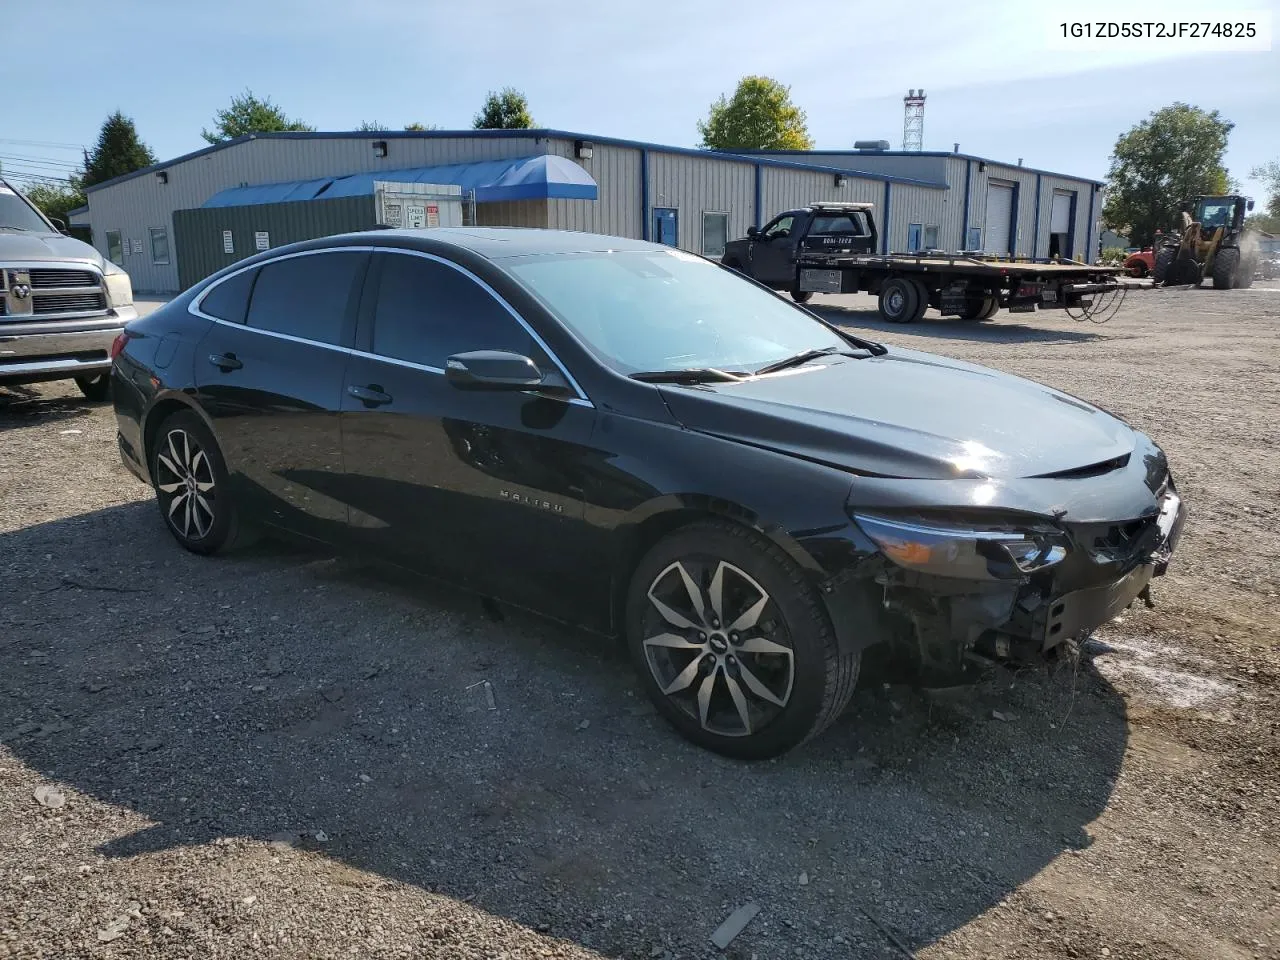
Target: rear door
{"type": "Point", "coordinates": [483, 488]}
{"type": "Point", "coordinates": [271, 375]}
{"type": "Point", "coordinates": [772, 260]}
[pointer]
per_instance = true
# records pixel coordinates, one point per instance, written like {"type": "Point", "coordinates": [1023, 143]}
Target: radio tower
{"type": "Point", "coordinates": [913, 121]}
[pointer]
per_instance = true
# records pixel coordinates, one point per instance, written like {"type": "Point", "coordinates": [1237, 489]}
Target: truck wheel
{"type": "Point", "coordinates": [922, 300]}
{"type": "Point", "coordinates": [980, 308]}
{"type": "Point", "coordinates": [1226, 267]}
{"type": "Point", "coordinates": [900, 300]}
{"type": "Point", "coordinates": [801, 296]}
{"type": "Point", "coordinates": [96, 387]}
{"type": "Point", "coordinates": [1164, 260]}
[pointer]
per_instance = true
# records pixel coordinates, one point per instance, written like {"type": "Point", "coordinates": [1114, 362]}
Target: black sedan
{"type": "Point", "coordinates": [642, 442]}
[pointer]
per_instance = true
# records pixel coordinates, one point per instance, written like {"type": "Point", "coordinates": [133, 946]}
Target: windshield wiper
{"type": "Point", "coordinates": [690, 375]}
{"type": "Point", "coordinates": [797, 359]}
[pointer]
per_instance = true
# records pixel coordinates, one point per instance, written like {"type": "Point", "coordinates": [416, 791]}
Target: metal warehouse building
{"type": "Point", "coordinates": [173, 223]}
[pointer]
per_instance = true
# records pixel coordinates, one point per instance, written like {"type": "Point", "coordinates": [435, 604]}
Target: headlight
{"type": "Point", "coordinates": [119, 287]}
{"type": "Point", "coordinates": [971, 553]}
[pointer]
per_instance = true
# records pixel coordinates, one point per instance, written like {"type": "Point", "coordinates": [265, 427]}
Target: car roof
{"type": "Point", "coordinates": [496, 243]}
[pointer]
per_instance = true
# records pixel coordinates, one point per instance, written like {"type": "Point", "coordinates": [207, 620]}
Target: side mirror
{"type": "Point", "coordinates": [753, 233]}
{"type": "Point", "coordinates": [62, 227]}
{"type": "Point", "coordinates": [499, 370]}
{"type": "Point", "coordinates": [1249, 205]}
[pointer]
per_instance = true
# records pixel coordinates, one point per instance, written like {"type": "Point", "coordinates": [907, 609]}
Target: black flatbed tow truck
{"type": "Point", "coordinates": [830, 248]}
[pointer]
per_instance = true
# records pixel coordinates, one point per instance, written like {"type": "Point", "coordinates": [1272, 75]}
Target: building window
{"type": "Point", "coordinates": [975, 238]}
{"type": "Point", "coordinates": [931, 236]}
{"type": "Point", "coordinates": [715, 234]}
{"type": "Point", "coordinates": [115, 249]}
{"type": "Point", "coordinates": [159, 245]}
{"type": "Point", "coordinates": [913, 237]}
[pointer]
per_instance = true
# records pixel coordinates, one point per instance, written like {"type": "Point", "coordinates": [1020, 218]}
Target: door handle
{"type": "Point", "coordinates": [370, 396]}
{"type": "Point", "coordinates": [225, 361]}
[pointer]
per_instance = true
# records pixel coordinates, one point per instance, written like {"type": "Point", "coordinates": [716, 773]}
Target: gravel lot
{"type": "Point", "coordinates": [288, 755]}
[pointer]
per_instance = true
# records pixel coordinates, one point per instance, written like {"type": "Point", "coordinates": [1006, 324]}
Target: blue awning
{"type": "Point", "coordinates": [541, 177]}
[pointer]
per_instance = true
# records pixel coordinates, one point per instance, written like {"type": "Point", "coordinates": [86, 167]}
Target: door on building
{"type": "Point", "coordinates": [999, 226]}
{"type": "Point", "coordinates": [1062, 217]}
{"type": "Point", "coordinates": [666, 226]}
{"type": "Point", "coordinates": [270, 374]}
{"type": "Point", "coordinates": [467, 485]}
{"type": "Point", "coordinates": [913, 237]}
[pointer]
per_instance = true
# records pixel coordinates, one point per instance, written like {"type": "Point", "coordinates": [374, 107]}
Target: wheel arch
{"type": "Point", "coordinates": [162, 407]}
{"type": "Point", "coordinates": [663, 516]}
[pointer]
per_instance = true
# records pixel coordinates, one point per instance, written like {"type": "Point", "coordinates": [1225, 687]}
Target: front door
{"type": "Point", "coordinates": [772, 253]}
{"type": "Point", "coordinates": [270, 373]}
{"type": "Point", "coordinates": [483, 488]}
{"type": "Point", "coordinates": [666, 226]}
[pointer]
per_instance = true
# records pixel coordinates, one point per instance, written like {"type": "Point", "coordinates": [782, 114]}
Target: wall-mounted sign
{"type": "Point", "coordinates": [433, 215]}
{"type": "Point", "coordinates": [261, 240]}
{"type": "Point", "coordinates": [228, 242]}
{"type": "Point", "coordinates": [137, 244]}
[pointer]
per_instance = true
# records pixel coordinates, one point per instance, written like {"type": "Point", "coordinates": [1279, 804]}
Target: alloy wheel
{"type": "Point", "coordinates": [717, 647]}
{"type": "Point", "coordinates": [185, 474]}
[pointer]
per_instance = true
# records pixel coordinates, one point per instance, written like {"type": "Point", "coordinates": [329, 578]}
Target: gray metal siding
{"type": "Point", "coordinates": [1026, 182]}
{"type": "Point", "coordinates": [914, 168]}
{"type": "Point", "coordinates": [697, 185]}
{"type": "Point", "coordinates": [132, 207]}
{"type": "Point", "coordinates": [783, 189]}
{"type": "Point", "coordinates": [927, 207]}
{"type": "Point", "coordinates": [616, 211]}
{"type": "Point", "coordinates": [197, 239]}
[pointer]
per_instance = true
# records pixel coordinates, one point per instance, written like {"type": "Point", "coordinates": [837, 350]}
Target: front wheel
{"type": "Point", "coordinates": [97, 387]}
{"type": "Point", "coordinates": [1226, 267]}
{"type": "Point", "coordinates": [191, 483]}
{"type": "Point", "coordinates": [733, 644]}
{"type": "Point", "coordinates": [801, 296]}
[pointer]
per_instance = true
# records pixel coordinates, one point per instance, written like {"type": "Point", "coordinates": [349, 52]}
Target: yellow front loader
{"type": "Point", "coordinates": [1213, 244]}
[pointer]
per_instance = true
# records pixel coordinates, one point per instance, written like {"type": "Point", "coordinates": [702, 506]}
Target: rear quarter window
{"type": "Point", "coordinates": [229, 299]}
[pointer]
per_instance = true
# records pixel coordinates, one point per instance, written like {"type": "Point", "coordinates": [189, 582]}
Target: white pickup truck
{"type": "Point", "coordinates": [62, 304]}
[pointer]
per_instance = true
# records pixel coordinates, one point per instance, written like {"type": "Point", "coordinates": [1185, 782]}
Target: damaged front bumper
{"type": "Point", "coordinates": [1018, 610]}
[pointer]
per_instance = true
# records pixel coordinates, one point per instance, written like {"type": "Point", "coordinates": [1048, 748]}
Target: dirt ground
{"type": "Point", "coordinates": [281, 754]}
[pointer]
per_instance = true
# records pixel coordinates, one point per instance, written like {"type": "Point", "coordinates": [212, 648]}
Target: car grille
{"type": "Point", "coordinates": [67, 302]}
{"type": "Point", "coordinates": [45, 279]}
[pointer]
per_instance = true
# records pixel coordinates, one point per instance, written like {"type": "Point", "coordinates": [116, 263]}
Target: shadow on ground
{"type": "Point", "coordinates": [277, 695]}
{"type": "Point", "coordinates": [1003, 330]}
{"type": "Point", "coordinates": [21, 405]}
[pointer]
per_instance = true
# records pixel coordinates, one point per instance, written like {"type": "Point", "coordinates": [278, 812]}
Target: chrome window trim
{"type": "Point", "coordinates": [582, 394]}
{"type": "Point", "coordinates": [193, 308]}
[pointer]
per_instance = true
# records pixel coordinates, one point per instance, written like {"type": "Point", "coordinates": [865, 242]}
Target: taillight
{"type": "Point", "coordinates": [118, 343]}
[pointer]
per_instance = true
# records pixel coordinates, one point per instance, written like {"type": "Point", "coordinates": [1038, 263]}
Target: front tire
{"type": "Point", "coordinates": [900, 300]}
{"type": "Point", "coordinates": [96, 387]}
{"type": "Point", "coordinates": [1225, 267]}
{"type": "Point", "coordinates": [1163, 263]}
{"type": "Point", "coordinates": [801, 296]}
{"type": "Point", "coordinates": [191, 484]}
{"type": "Point", "coordinates": [733, 644]}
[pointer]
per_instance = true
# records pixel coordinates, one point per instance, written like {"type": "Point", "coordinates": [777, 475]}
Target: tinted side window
{"type": "Point", "coordinates": [308, 296]}
{"type": "Point", "coordinates": [229, 300]}
{"type": "Point", "coordinates": [428, 311]}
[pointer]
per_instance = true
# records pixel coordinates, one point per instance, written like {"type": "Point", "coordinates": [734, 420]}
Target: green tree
{"type": "Point", "coordinates": [250, 114]}
{"type": "Point", "coordinates": [505, 109]}
{"type": "Point", "coordinates": [759, 116]}
{"type": "Point", "coordinates": [420, 127]}
{"type": "Point", "coordinates": [1269, 173]}
{"type": "Point", "coordinates": [55, 200]}
{"type": "Point", "coordinates": [1173, 155]}
{"type": "Point", "coordinates": [370, 126]}
{"type": "Point", "coordinates": [117, 152]}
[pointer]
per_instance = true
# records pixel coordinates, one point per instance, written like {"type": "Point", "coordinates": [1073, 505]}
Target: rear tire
{"type": "Point", "coordinates": [97, 387]}
{"type": "Point", "coordinates": [981, 308]}
{"type": "Point", "coordinates": [801, 296]}
{"type": "Point", "coordinates": [192, 486]}
{"type": "Point", "coordinates": [1164, 260]}
{"type": "Point", "coordinates": [1226, 266]}
{"type": "Point", "coordinates": [733, 644]}
{"type": "Point", "coordinates": [900, 300]}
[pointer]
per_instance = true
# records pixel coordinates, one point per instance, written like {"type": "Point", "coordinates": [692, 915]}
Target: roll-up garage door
{"type": "Point", "coordinates": [999, 218]}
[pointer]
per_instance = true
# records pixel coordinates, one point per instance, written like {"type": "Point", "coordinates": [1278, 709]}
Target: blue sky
{"type": "Point", "coordinates": [997, 80]}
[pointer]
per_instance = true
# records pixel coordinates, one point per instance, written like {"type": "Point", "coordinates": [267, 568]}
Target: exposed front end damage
{"type": "Point", "coordinates": [958, 585]}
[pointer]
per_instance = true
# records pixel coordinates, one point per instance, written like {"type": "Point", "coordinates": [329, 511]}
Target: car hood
{"type": "Point", "coordinates": [19, 245]}
{"type": "Point", "coordinates": [909, 415]}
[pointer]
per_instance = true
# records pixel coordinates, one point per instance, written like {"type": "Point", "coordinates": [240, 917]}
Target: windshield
{"type": "Point", "coordinates": [1216, 214]}
{"type": "Point", "coordinates": [668, 310]}
{"type": "Point", "coordinates": [15, 214]}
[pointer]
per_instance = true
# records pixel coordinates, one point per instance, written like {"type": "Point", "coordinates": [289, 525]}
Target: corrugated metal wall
{"type": "Point", "coordinates": [785, 189]}
{"type": "Point", "coordinates": [134, 206]}
{"type": "Point", "coordinates": [915, 168]}
{"type": "Point", "coordinates": [698, 185]}
{"type": "Point", "coordinates": [926, 206]}
{"type": "Point", "coordinates": [617, 211]}
{"type": "Point", "coordinates": [198, 233]}
{"type": "Point", "coordinates": [1079, 228]}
